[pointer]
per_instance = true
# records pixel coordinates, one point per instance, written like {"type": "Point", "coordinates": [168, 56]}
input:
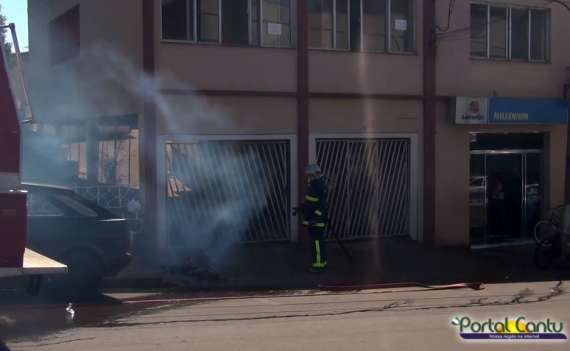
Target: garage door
{"type": "Point", "coordinates": [370, 184]}
{"type": "Point", "coordinates": [228, 189]}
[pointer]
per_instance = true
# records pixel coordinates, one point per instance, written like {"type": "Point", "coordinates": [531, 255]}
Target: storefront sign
{"type": "Point", "coordinates": [471, 110]}
{"type": "Point", "coordinates": [527, 111]}
{"type": "Point", "coordinates": [500, 110]}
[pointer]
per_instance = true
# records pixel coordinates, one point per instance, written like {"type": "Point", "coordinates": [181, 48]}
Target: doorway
{"type": "Point", "coordinates": [506, 195]}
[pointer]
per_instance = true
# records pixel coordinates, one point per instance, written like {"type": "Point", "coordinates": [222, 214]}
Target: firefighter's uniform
{"type": "Point", "coordinates": [315, 219]}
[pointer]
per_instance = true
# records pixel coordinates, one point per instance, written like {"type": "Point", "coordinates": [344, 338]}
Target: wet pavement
{"type": "Point", "coordinates": [34, 318]}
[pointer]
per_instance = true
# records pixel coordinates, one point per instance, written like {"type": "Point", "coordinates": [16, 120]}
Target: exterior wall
{"type": "Point", "coordinates": [209, 67]}
{"type": "Point", "coordinates": [80, 87]}
{"type": "Point", "coordinates": [189, 115]}
{"type": "Point", "coordinates": [364, 116]}
{"type": "Point", "coordinates": [366, 73]}
{"type": "Point", "coordinates": [184, 65]}
{"type": "Point", "coordinates": [262, 71]}
{"type": "Point", "coordinates": [458, 74]}
{"type": "Point", "coordinates": [369, 73]}
{"type": "Point", "coordinates": [453, 168]}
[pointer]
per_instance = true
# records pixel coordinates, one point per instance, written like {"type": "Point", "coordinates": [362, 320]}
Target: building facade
{"type": "Point", "coordinates": [419, 126]}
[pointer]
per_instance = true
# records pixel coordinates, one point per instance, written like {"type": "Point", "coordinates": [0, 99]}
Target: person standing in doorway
{"type": "Point", "coordinates": [497, 211]}
{"type": "Point", "coordinates": [315, 216]}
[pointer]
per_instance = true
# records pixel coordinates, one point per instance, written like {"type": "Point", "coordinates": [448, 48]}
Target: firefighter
{"type": "Point", "coordinates": [314, 212]}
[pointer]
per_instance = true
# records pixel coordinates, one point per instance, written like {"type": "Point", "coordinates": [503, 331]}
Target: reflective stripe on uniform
{"type": "Point", "coordinates": [319, 265]}
{"type": "Point", "coordinates": [311, 199]}
{"type": "Point", "coordinates": [318, 250]}
{"type": "Point", "coordinates": [318, 213]}
{"type": "Point", "coordinates": [318, 225]}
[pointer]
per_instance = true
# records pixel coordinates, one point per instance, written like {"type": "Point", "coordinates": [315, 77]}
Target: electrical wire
{"type": "Point", "coordinates": [449, 15]}
{"type": "Point", "coordinates": [560, 2]}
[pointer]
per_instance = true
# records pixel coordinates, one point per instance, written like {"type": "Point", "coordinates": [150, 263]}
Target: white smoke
{"type": "Point", "coordinates": [105, 82]}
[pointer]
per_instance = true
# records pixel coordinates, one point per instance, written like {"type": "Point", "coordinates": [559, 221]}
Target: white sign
{"type": "Point", "coordinates": [471, 110]}
{"type": "Point", "coordinates": [401, 25]}
{"type": "Point", "coordinates": [274, 28]}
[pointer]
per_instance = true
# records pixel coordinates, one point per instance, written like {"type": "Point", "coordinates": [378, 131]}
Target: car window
{"type": "Point", "coordinates": [76, 206]}
{"type": "Point", "coordinates": [39, 206]}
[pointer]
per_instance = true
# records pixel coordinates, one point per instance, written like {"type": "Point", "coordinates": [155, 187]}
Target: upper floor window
{"type": "Point", "coordinates": [509, 33]}
{"type": "Point", "coordinates": [232, 22]}
{"type": "Point", "coordinates": [65, 36]}
{"type": "Point", "coordinates": [328, 24]}
{"type": "Point", "coordinates": [366, 25]}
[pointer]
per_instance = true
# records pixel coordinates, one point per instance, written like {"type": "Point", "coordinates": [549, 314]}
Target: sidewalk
{"type": "Point", "coordinates": [285, 266]}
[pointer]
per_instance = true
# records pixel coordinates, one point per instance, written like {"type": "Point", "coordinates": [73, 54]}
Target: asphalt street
{"type": "Point", "coordinates": [396, 319]}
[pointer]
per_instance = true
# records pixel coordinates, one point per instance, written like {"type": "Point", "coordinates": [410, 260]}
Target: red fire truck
{"type": "Point", "coordinates": [15, 259]}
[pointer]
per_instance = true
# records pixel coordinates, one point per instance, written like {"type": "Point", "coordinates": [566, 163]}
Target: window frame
{"type": "Point", "coordinates": [547, 35]}
{"type": "Point", "coordinates": [334, 30]}
{"type": "Point", "coordinates": [261, 44]}
{"type": "Point", "coordinates": [509, 57]}
{"type": "Point", "coordinates": [388, 29]}
{"type": "Point", "coordinates": [220, 42]}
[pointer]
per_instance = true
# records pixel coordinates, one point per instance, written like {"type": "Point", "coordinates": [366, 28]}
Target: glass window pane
{"type": "Point", "coordinates": [519, 34]}
{"type": "Point", "coordinates": [539, 35]}
{"type": "Point", "coordinates": [498, 26]}
{"type": "Point", "coordinates": [374, 25]}
{"type": "Point", "coordinates": [175, 19]}
{"type": "Point", "coordinates": [479, 30]}
{"type": "Point", "coordinates": [402, 26]}
{"type": "Point", "coordinates": [235, 22]}
{"type": "Point", "coordinates": [342, 24]}
{"type": "Point", "coordinates": [277, 23]}
{"type": "Point", "coordinates": [208, 22]}
{"type": "Point", "coordinates": [39, 206]}
{"type": "Point", "coordinates": [321, 23]}
{"type": "Point", "coordinates": [355, 27]}
{"type": "Point", "coordinates": [254, 22]}
{"type": "Point", "coordinates": [76, 206]}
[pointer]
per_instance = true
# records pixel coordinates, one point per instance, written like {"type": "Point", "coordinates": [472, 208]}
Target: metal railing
{"type": "Point", "coordinates": [122, 201]}
{"type": "Point", "coordinates": [369, 186]}
{"type": "Point", "coordinates": [228, 190]}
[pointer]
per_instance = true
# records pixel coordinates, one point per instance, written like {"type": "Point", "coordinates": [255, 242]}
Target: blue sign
{"type": "Point", "coordinates": [527, 111]}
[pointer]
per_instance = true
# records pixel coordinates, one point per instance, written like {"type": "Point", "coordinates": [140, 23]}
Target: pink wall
{"type": "Point", "coordinates": [226, 68]}
{"type": "Point", "coordinates": [458, 74]}
{"type": "Point", "coordinates": [347, 72]}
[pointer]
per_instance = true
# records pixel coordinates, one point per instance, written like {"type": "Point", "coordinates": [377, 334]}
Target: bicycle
{"type": "Point", "coordinates": [550, 240]}
{"type": "Point", "coordinates": [549, 226]}
{"type": "Point", "coordinates": [547, 250]}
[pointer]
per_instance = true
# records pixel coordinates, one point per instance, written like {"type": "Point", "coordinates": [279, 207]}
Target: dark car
{"type": "Point", "coordinates": [93, 242]}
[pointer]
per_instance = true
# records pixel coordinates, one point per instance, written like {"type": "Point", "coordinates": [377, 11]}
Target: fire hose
{"type": "Point", "coordinates": [353, 287]}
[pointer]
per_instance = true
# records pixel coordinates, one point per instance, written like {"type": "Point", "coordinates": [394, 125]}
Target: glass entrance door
{"type": "Point", "coordinates": [534, 191]}
{"type": "Point", "coordinates": [505, 195]}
